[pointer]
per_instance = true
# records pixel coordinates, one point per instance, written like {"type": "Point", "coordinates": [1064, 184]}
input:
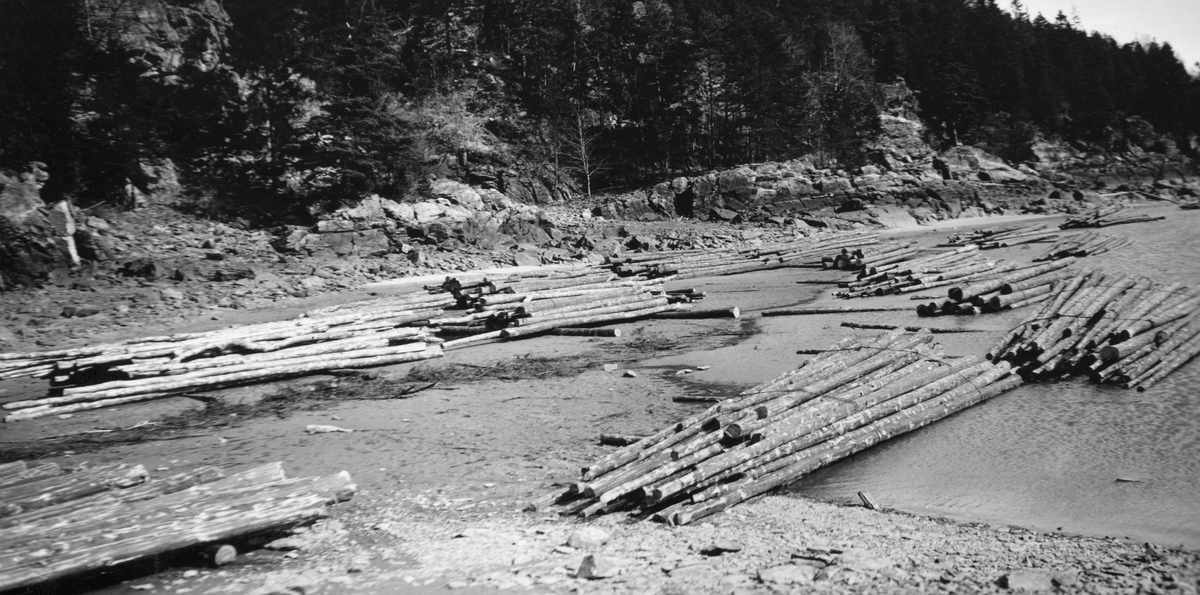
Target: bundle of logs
{"type": "Point", "coordinates": [152, 367]}
{"type": "Point", "coordinates": [1086, 244]}
{"type": "Point", "coordinates": [1113, 328]}
{"type": "Point", "coordinates": [1106, 216]}
{"type": "Point", "coordinates": [689, 264]}
{"type": "Point", "coordinates": [855, 394]}
{"type": "Point", "coordinates": [565, 303]}
{"type": "Point", "coordinates": [370, 333]}
{"type": "Point", "coordinates": [897, 269]}
{"type": "Point", "coordinates": [990, 239]}
{"type": "Point", "coordinates": [1005, 287]}
{"type": "Point", "coordinates": [58, 523]}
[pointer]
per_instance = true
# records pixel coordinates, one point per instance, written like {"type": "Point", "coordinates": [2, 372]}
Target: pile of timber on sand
{"type": "Point", "coordinates": [989, 239]}
{"type": "Point", "coordinates": [857, 393]}
{"type": "Point", "coordinates": [689, 264]}
{"type": "Point", "coordinates": [490, 311]}
{"type": "Point", "coordinates": [58, 523]}
{"type": "Point", "coordinates": [1086, 244]}
{"type": "Point", "coordinates": [148, 368]}
{"type": "Point", "coordinates": [1006, 287]}
{"type": "Point", "coordinates": [1114, 329]}
{"type": "Point", "coordinates": [1106, 216]}
{"type": "Point", "coordinates": [885, 277]}
{"type": "Point", "coordinates": [377, 332]}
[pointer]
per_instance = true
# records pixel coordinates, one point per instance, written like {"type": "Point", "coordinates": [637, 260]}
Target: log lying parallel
{"type": "Point", "coordinates": [58, 522]}
{"type": "Point", "coordinates": [853, 395]}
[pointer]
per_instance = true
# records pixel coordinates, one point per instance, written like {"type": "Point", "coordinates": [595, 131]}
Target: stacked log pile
{"type": "Point", "coordinates": [153, 367]}
{"type": "Point", "coordinates": [886, 275]}
{"type": "Point", "coordinates": [1006, 287]}
{"type": "Point", "coordinates": [1078, 246]}
{"type": "Point", "coordinates": [58, 523]}
{"type": "Point", "coordinates": [592, 297]}
{"type": "Point", "coordinates": [1106, 216]}
{"type": "Point", "coordinates": [370, 333]}
{"type": "Point", "coordinates": [990, 239]}
{"type": "Point", "coordinates": [850, 397]}
{"type": "Point", "coordinates": [690, 264]}
{"type": "Point", "coordinates": [1114, 329]}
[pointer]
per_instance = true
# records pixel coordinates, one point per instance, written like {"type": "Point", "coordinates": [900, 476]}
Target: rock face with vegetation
{"type": "Point", "coordinates": [357, 128]}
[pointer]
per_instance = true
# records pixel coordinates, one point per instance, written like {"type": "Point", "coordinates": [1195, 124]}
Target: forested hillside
{"type": "Point", "coordinates": [270, 103]}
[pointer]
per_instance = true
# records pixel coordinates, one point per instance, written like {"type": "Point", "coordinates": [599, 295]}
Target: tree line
{"type": "Point", "coordinates": [328, 99]}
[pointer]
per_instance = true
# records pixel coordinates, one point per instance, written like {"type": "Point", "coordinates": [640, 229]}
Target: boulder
{"type": "Point", "coordinates": [596, 566]}
{"type": "Point", "coordinates": [723, 215]}
{"type": "Point", "coordinates": [1028, 579]}
{"type": "Point", "coordinates": [971, 163]}
{"type": "Point", "coordinates": [787, 574]}
{"type": "Point", "coordinates": [34, 238]}
{"type": "Point", "coordinates": [737, 182]}
{"type": "Point", "coordinates": [588, 538]}
{"type": "Point", "coordinates": [456, 193]}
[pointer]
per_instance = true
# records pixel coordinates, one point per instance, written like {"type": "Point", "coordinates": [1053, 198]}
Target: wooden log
{"type": "Point", "coordinates": [31, 474]}
{"type": "Point", "coordinates": [868, 501]}
{"type": "Point", "coordinates": [812, 391]}
{"type": "Point", "coordinates": [800, 430]}
{"type": "Point", "coordinates": [1135, 367]}
{"type": "Point", "coordinates": [641, 302]}
{"type": "Point", "coordinates": [831, 310]}
{"type": "Point", "coordinates": [786, 469]}
{"type": "Point", "coordinates": [1182, 355]}
{"type": "Point", "coordinates": [46, 492]}
{"type": "Point", "coordinates": [857, 325]}
{"type": "Point", "coordinates": [13, 468]}
{"type": "Point", "coordinates": [587, 332]}
{"type": "Point", "coordinates": [1007, 300]}
{"type": "Point", "coordinates": [532, 329]}
{"type": "Point", "coordinates": [183, 529]}
{"type": "Point", "coordinates": [250, 367]}
{"type": "Point", "coordinates": [1158, 319]}
{"type": "Point", "coordinates": [619, 440]}
{"type": "Point", "coordinates": [733, 312]}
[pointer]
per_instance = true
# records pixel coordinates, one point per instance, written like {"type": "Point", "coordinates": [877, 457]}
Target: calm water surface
{"type": "Point", "coordinates": [1048, 456]}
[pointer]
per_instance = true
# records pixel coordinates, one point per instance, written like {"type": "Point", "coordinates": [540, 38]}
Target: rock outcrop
{"type": "Point", "coordinates": [170, 40]}
{"type": "Point", "coordinates": [35, 238]}
{"type": "Point", "coordinates": [455, 215]}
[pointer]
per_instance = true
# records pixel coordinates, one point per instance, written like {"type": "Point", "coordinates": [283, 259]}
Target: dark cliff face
{"type": "Point", "coordinates": [167, 39]}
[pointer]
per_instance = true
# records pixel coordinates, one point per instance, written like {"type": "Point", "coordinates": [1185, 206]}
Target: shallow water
{"type": "Point", "coordinates": [1049, 456]}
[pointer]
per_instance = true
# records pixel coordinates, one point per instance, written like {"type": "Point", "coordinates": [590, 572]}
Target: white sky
{"type": "Point", "coordinates": [1173, 21]}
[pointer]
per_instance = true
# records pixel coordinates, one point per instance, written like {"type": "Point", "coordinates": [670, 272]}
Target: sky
{"type": "Point", "coordinates": [1173, 21]}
